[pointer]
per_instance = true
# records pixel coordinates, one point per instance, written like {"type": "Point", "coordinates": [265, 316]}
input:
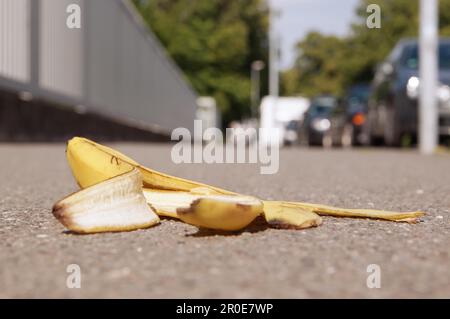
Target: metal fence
{"type": "Point", "coordinates": [112, 65]}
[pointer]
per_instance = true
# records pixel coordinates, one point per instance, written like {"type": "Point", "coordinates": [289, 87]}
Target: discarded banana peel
{"type": "Point", "coordinates": [116, 204]}
{"type": "Point", "coordinates": [93, 163]}
{"type": "Point", "coordinates": [280, 215]}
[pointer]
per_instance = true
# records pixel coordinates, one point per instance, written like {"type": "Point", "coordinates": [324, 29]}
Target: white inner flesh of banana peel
{"type": "Point", "coordinates": [116, 204]}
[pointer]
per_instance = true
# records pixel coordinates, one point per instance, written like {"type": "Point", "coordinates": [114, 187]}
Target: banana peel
{"type": "Point", "coordinates": [92, 163]}
{"type": "Point", "coordinates": [116, 204]}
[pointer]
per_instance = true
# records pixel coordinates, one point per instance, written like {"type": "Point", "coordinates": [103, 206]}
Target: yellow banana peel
{"type": "Point", "coordinates": [204, 205]}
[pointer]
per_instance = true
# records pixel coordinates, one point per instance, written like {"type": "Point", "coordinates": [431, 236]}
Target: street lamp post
{"type": "Point", "coordinates": [274, 50]}
{"type": "Point", "coordinates": [428, 74]}
{"type": "Point", "coordinates": [257, 67]}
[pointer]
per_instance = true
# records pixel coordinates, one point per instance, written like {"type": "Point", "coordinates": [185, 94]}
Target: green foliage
{"type": "Point", "coordinates": [327, 64]}
{"type": "Point", "coordinates": [317, 68]}
{"type": "Point", "coordinates": [214, 43]}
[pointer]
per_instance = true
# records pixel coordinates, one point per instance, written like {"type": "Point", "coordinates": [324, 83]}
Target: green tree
{"type": "Point", "coordinates": [214, 42]}
{"type": "Point", "coordinates": [368, 47]}
{"type": "Point", "coordinates": [317, 68]}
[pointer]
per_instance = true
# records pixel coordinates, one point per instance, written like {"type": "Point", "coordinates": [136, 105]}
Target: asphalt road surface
{"type": "Point", "coordinates": [176, 260]}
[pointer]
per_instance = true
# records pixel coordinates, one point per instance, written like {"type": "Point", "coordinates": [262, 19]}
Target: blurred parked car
{"type": "Point", "coordinates": [349, 117]}
{"type": "Point", "coordinates": [393, 107]}
{"type": "Point", "coordinates": [316, 124]}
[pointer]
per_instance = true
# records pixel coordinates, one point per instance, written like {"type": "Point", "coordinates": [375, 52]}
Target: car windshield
{"type": "Point", "coordinates": [359, 93]}
{"type": "Point", "coordinates": [317, 109]}
{"type": "Point", "coordinates": [410, 56]}
{"type": "Point", "coordinates": [322, 105]}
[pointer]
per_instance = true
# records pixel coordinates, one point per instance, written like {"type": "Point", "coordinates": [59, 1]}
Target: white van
{"type": "Point", "coordinates": [283, 113]}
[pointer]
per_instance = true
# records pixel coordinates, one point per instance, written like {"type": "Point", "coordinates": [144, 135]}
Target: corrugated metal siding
{"type": "Point", "coordinates": [129, 72]}
{"type": "Point", "coordinates": [102, 70]}
{"type": "Point", "coordinates": [61, 49]}
{"type": "Point", "coordinates": [112, 64]}
{"type": "Point", "coordinates": [14, 46]}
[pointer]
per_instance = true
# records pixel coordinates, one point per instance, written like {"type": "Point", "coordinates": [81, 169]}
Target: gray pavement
{"type": "Point", "coordinates": [175, 260]}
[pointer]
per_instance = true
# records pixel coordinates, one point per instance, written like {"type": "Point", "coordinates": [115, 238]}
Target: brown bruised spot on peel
{"type": "Point", "coordinates": [58, 211]}
{"type": "Point", "coordinates": [278, 223]}
{"type": "Point", "coordinates": [281, 224]}
{"type": "Point", "coordinates": [190, 209]}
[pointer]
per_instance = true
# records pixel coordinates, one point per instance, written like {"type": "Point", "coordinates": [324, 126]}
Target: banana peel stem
{"type": "Point", "coordinates": [324, 210]}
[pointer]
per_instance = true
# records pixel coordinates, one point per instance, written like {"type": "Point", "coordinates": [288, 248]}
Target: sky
{"type": "Point", "coordinates": [298, 17]}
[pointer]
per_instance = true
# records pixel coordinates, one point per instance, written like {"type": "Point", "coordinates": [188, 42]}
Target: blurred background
{"type": "Point", "coordinates": [135, 70]}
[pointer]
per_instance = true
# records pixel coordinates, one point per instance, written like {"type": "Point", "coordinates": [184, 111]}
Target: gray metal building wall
{"type": "Point", "coordinates": [113, 65]}
{"type": "Point", "coordinates": [14, 39]}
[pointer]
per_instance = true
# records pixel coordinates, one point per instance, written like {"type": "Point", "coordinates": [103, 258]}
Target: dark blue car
{"type": "Point", "coordinates": [393, 105]}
